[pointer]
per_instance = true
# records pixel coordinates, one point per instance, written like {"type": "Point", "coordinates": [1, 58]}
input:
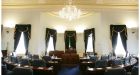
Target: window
{"type": "Point", "coordinates": [69, 43]}
{"type": "Point", "coordinates": [50, 45]}
{"type": "Point", "coordinates": [90, 44]}
{"type": "Point", "coordinates": [21, 46]}
{"type": "Point", "coordinates": [119, 51]}
{"type": "Point", "coordinates": [70, 40]}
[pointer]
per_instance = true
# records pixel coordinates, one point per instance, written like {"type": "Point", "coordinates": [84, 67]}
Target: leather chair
{"type": "Point", "coordinates": [116, 62]}
{"type": "Point", "coordinates": [135, 70]}
{"type": "Point", "coordinates": [35, 57]}
{"type": "Point", "coordinates": [14, 59]}
{"type": "Point", "coordinates": [93, 58]}
{"type": "Point", "coordinates": [74, 58]}
{"type": "Point", "coordinates": [56, 53]}
{"type": "Point", "coordinates": [46, 58]}
{"type": "Point", "coordinates": [105, 57]}
{"type": "Point", "coordinates": [22, 71]}
{"type": "Point", "coordinates": [101, 64]}
{"type": "Point", "coordinates": [24, 62]}
{"type": "Point", "coordinates": [5, 71]}
{"type": "Point", "coordinates": [70, 51]}
{"type": "Point", "coordinates": [38, 63]}
{"type": "Point", "coordinates": [115, 71]}
{"type": "Point", "coordinates": [65, 59]}
{"type": "Point", "coordinates": [126, 61]}
{"type": "Point", "coordinates": [4, 53]}
{"type": "Point", "coordinates": [70, 59]}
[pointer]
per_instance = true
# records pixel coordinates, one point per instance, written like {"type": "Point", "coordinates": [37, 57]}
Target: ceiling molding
{"type": "Point", "coordinates": [82, 6]}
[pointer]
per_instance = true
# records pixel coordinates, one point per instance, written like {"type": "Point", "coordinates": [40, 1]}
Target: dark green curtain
{"type": "Point", "coordinates": [50, 33]}
{"type": "Point", "coordinates": [26, 29]}
{"type": "Point", "coordinates": [114, 29]}
{"type": "Point", "coordinates": [70, 39]}
{"type": "Point", "coordinates": [87, 32]}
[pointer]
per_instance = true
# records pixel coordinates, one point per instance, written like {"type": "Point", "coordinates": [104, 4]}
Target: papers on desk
{"type": "Point", "coordinates": [26, 66]}
{"type": "Point", "coordinates": [40, 68]}
{"type": "Point", "coordinates": [86, 62]}
{"type": "Point", "coordinates": [84, 58]}
{"type": "Point", "coordinates": [99, 68]}
{"type": "Point", "coordinates": [121, 65]}
{"type": "Point", "coordinates": [53, 61]}
{"type": "Point", "coordinates": [108, 67]}
{"type": "Point", "coordinates": [16, 64]}
{"type": "Point", "coordinates": [50, 68]}
{"type": "Point", "coordinates": [90, 69]}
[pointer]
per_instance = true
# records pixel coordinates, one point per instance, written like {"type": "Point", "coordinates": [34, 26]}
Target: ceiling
{"type": "Point", "coordinates": [88, 6]}
{"type": "Point", "coordinates": [58, 4]}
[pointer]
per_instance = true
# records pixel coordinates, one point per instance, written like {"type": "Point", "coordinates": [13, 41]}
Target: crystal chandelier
{"type": "Point", "coordinates": [70, 12]}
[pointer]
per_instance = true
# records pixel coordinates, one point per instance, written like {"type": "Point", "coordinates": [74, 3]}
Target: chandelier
{"type": "Point", "coordinates": [70, 12]}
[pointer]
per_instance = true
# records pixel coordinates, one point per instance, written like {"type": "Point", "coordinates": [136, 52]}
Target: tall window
{"type": "Point", "coordinates": [69, 43]}
{"type": "Point", "coordinates": [90, 44]}
{"type": "Point", "coordinates": [119, 51]}
{"type": "Point", "coordinates": [50, 45]}
{"type": "Point", "coordinates": [119, 40]}
{"type": "Point", "coordinates": [50, 40]}
{"type": "Point", "coordinates": [21, 45]}
{"type": "Point", "coordinates": [22, 36]}
{"type": "Point", "coordinates": [70, 40]}
{"type": "Point", "coordinates": [89, 39]}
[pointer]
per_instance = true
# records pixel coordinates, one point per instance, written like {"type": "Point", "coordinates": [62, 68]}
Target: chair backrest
{"type": "Point", "coordinates": [71, 58]}
{"type": "Point", "coordinates": [29, 56]}
{"type": "Point", "coordinates": [90, 53]}
{"type": "Point", "coordinates": [74, 58]}
{"type": "Point", "coordinates": [14, 59]}
{"type": "Point", "coordinates": [70, 51]}
{"type": "Point", "coordinates": [4, 53]}
{"type": "Point", "coordinates": [4, 70]}
{"type": "Point", "coordinates": [46, 58]}
{"type": "Point", "coordinates": [126, 60]}
{"type": "Point", "coordinates": [117, 62]}
{"type": "Point", "coordinates": [100, 64]}
{"type": "Point", "coordinates": [24, 62]}
{"type": "Point", "coordinates": [104, 57]}
{"type": "Point", "coordinates": [93, 58]}
{"type": "Point", "coordinates": [135, 70]}
{"type": "Point", "coordinates": [38, 63]}
{"type": "Point", "coordinates": [35, 57]}
{"type": "Point", "coordinates": [115, 71]}
{"type": "Point", "coordinates": [65, 58]}
{"type": "Point", "coordinates": [56, 53]}
{"type": "Point", "coordinates": [22, 71]}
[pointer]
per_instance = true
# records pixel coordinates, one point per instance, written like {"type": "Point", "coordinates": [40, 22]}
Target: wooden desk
{"type": "Point", "coordinates": [84, 59]}
{"type": "Point", "coordinates": [42, 71]}
{"type": "Point", "coordinates": [36, 70]}
{"type": "Point", "coordinates": [96, 71]}
{"type": "Point", "coordinates": [100, 71]}
{"type": "Point", "coordinates": [85, 64]}
{"type": "Point", "coordinates": [59, 60]}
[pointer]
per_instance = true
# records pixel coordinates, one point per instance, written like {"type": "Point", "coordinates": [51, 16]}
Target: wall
{"type": "Point", "coordinates": [129, 18]}
{"type": "Point", "coordinates": [100, 20]}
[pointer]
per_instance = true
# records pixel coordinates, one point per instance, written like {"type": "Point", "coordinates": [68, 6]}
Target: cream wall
{"type": "Point", "coordinates": [130, 18]}
{"type": "Point", "coordinates": [100, 20]}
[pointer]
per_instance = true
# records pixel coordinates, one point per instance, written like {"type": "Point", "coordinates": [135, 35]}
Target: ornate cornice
{"type": "Point", "coordinates": [59, 6]}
